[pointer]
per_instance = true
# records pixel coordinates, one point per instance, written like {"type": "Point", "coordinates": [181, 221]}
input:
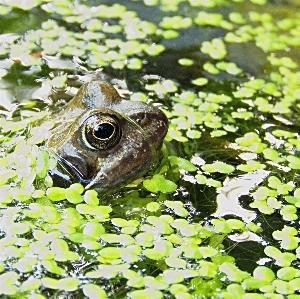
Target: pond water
{"type": "Point", "coordinates": [219, 217]}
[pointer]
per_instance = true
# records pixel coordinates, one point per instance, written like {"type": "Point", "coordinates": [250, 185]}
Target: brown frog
{"type": "Point", "coordinates": [104, 141]}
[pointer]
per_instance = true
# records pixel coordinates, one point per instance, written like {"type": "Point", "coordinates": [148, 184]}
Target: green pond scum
{"type": "Point", "coordinates": [219, 218]}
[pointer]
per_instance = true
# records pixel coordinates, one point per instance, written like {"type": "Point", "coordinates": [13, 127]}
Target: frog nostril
{"type": "Point", "coordinates": [142, 120]}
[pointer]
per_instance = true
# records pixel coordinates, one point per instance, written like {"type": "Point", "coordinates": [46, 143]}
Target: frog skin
{"type": "Point", "coordinates": [103, 141]}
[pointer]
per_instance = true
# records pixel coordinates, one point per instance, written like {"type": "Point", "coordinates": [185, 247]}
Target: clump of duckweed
{"type": "Point", "coordinates": [237, 134]}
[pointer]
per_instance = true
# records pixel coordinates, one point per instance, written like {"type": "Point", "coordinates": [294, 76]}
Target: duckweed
{"type": "Point", "coordinates": [216, 115]}
{"type": "Point", "coordinates": [215, 49]}
{"type": "Point", "coordinates": [185, 61]}
{"type": "Point", "coordinates": [159, 183]}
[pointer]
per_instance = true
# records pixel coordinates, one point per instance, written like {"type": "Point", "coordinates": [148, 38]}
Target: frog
{"type": "Point", "coordinates": [104, 141]}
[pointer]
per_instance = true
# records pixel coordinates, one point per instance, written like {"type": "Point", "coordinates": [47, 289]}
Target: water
{"type": "Point", "coordinates": [22, 86]}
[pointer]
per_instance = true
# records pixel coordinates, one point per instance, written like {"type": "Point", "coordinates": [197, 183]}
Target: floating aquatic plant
{"type": "Point", "coordinates": [154, 241]}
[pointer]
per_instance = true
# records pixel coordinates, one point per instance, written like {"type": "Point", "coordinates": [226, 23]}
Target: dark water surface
{"type": "Point", "coordinates": [22, 82]}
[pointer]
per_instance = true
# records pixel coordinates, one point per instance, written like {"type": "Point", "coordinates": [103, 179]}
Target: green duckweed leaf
{"type": "Point", "coordinates": [68, 284]}
{"type": "Point", "coordinates": [56, 193]}
{"type": "Point", "coordinates": [50, 283]}
{"type": "Point", "coordinates": [145, 239]}
{"type": "Point", "coordinates": [213, 183]}
{"type": "Point", "coordinates": [73, 196]}
{"type": "Point", "coordinates": [91, 198]}
{"type": "Point", "coordinates": [288, 273]}
{"type": "Point", "coordinates": [263, 104]}
{"type": "Point", "coordinates": [273, 182]}
{"type": "Point", "coordinates": [215, 48]}
{"type": "Point", "coordinates": [182, 163]}
{"type": "Point", "coordinates": [233, 273]}
{"type": "Point", "coordinates": [294, 162]}
{"type": "Point", "coordinates": [154, 50]}
{"type": "Point", "coordinates": [177, 207]}
{"type": "Point", "coordinates": [94, 291]}
{"type": "Point", "coordinates": [191, 251]}
{"type": "Point", "coordinates": [229, 67]}
{"type": "Point", "coordinates": [134, 64]}
{"type": "Point", "coordinates": [175, 262]}
{"type": "Point", "coordinates": [201, 179]}
{"type": "Point", "coordinates": [235, 290]}
{"type": "Point", "coordinates": [295, 285]}
{"type": "Point", "coordinates": [283, 133]}
{"type": "Point", "coordinates": [52, 267]}
{"type": "Point", "coordinates": [207, 269]}
{"type": "Point", "coordinates": [30, 284]}
{"type": "Point", "coordinates": [155, 284]}
{"type": "Point", "coordinates": [210, 19]}
{"type": "Point", "coordinates": [263, 273]}
{"type": "Point", "coordinates": [78, 187]}
{"type": "Point", "coordinates": [168, 34]}
{"type": "Point", "coordinates": [271, 88]}
{"type": "Point", "coordinates": [107, 271]}
{"type": "Point", "coordinates": [25, 264]}
{"type": "Point", "coordinates": [128, 256]}
{"type": "Point", "coordinates": [244, 92]}
{"type": "Point", "coordinates": [134, 280]}
{"type": "Point", "coordinates": [281, 259]}
{"type": "Point", "coordinates": [218, 133]}
{"type": "Point", "coordinates": [122, 239]}
{"type": "Point", "coordinates": [94, 229]}
{"type": "Point", "coordinates": [176, 135]}
{"type": "Point", "coordinates": [253, 283]}
{"type": "Point", "coordinates": [159, 183]}
{"type": "Point", "coordinates": [110, 253]}
{"type": "Point", "coordinates": [185, 228]}
{"type": "Point", "coordinates": [242, 114]}
{"type": "Point", "coordinates": [178, 288]}
{"type": "Point", "coordinates": [208, 251]}
{"type": "Point", "coordinates": [172, 276]}
{"type": "Point", "coordinates": [120, 222]}
{"type": "Point", "coordinates": [236, 224]}
{"type": "Point", "coordinates": [6, 175]}
{"type": "Point", "coordinates": [218, 167]}
{"type": "Point", "coordinates": [283, 287]}
{"type": "Point", "coordinates": [209, 107]}
{"type": "Point", "coordinates": [250, 166]}
{"type": "Point", "coordinates": [175, 22]}
{"type": "Point", "coordinates": [210, 68]}
{"type": "Point", "coordinates": [272, 155]}
{"type": "Point", "coordinates": [160, 250]}
{"type": "Point", "coordinates": [101, 212]}
{"type": "Point", "coordinates": [146, 294]}
{"type": "Point", "coordinates": [153, 206]}
{"type": "Point", "coordinates": [7, 281]}
{"type": "Point", "coordinates": [160, 225]}
{"type": "Point", "coordinates": [200, 81]}
{"type": "Point", "coordinates": [138, 97]}
{"type": "Point", "coordinates": [185, 61]}
{"type": "Point", "coordinates": [42, 164]}
{"type": "Point", "coordinates": [237, 18]}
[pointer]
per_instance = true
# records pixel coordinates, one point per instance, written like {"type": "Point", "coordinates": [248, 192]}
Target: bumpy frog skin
{"type": "Point", "coordinates": [104, 141]}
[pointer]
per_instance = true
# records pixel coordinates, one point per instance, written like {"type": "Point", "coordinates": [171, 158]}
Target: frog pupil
{"type": "Point", "coordinates": [104, 131]}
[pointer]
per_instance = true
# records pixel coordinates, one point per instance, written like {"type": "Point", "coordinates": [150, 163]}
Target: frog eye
{"type": "Point", "coordinates": [100, 131]}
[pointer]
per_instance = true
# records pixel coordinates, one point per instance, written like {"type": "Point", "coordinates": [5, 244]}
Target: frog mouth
{"type": "Point", "coordinates": [67, 173]}
{"type": "Point", "coordinates": [104, 185]}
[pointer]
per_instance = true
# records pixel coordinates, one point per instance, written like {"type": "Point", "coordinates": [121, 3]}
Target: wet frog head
{"type": "Point", "coordinates": [104, 141]}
